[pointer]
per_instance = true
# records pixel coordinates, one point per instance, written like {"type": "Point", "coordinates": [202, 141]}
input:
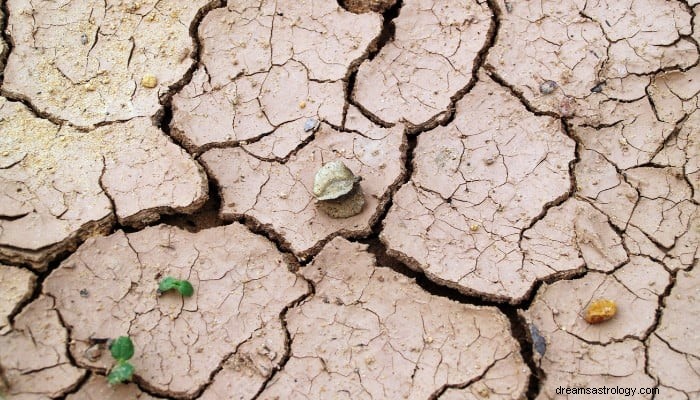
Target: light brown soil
{"type": "Point", "coordinates": [519, 161]}
{"type": "Point", "coordinates": [396, 338]}
{"type": "Point", "coordinates": [16, 286]}
{"type": "Point", "coordinates": [106, 290]}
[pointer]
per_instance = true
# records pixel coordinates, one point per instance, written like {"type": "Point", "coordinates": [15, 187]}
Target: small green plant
{"type": "Point", "coordinates": [122, 350]}
{"type": "Point", "coordinates": [169, 283]}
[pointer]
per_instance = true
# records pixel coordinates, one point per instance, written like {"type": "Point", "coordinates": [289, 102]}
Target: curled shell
{"type": "Point", "coordinates": [333, 180]}
{"type": "Point", "coordinates": [600, 310]}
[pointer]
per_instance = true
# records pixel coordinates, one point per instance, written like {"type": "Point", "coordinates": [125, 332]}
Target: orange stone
{"type": "Point", "coordinates": [600, 310]}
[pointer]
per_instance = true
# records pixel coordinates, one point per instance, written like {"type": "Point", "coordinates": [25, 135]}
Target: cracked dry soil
{"type": "Point", "coordinates": [519, 160]}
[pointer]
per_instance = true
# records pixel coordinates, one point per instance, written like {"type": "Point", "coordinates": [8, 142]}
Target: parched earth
{"type": "Point", "coordinates": [519, 160]}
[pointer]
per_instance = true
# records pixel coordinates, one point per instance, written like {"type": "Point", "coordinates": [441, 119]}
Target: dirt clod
{"type": "Point", "coordinates": [33, 355]}
{"type": "Point", "coordinates": [88, 83]}
{"type": "Point", "coordinates": [59, 185]}
{"type": "Point", "coordinates": [16, 286]}
{"type": "Point", "coordinates": [674, 348]}
{"type": "Point", "coordinates": [251, 187]}
{"type": "Point", "coordinates": [388, 339]}
{"type": "Point", "coordinates": [242, 283]}
{"type": "Point", "coordinates": [414, 76]}
{"type": "Point", "coordinates": [270, 75]}
{"type": "Point", "coordinates": [459, 220]}
{"type": "Point", "coordinates": [612, 353]}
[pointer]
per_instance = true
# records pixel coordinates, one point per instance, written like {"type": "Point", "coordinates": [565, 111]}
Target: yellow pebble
{"type": "Point", "coordinates": [483, 392]}
{"type": "Point", "coordinates": [302, 104]}
{"type": "Point", "coordinates": [474, 227]}
{"type": "Point", "coordinates": [600, 310]}
{"type": "Point", "coordinates": [149, 81]}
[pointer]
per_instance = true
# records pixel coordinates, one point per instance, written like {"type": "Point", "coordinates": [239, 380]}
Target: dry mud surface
{"type": "Point", "coordinates": [519, 162]}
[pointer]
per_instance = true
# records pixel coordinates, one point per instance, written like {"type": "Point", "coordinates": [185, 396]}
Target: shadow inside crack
{"type": "Point", "coordinates": [205, 217]}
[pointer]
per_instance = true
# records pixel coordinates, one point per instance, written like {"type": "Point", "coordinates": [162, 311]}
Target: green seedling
{"type": "Point", "coordinates": [169, 283]}
{"type": "Point", "coordinates": [122, 350]}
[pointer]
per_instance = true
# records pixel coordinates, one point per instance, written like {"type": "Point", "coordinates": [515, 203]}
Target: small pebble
{"type": "Point", "coordinates": [93, 352]}
{"type": "Point", "coordinates": [311, 125]}
{"type": "Point", "coordinates": [149, 81]}
{"type": "Point", "coordinates": [509, 7]}
{"type": "Point", "coordinates": [598, 87]}
{"type": "Point", "coordinates": [566, 107]}
{"type": "Point", "coordinates": [302, 104]}
{"type": "Point", "coordinates": [483, 392]}
{"type": "Point", "coordinates": [83, 39]}
{"type": "Point", "coordinates": [538, 342]}
{"type": "Point", "coordinates": [600, 310]}
{"type": "Point", "coordinates": [84, 293]}
{"type": "Point", "coordinates": [548, 87]}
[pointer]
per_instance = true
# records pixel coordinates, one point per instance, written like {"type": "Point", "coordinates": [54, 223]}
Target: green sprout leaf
{"type": "Point", "coordinates": [122, 371]}
{"type": "Point", "coordinates": [185, 288]}
{"type": "Point", "coordinates": [122, 348]}
{"type": "Point", "coordinates": [166, 284]}
{"type": "Point", "coordinates": [169, 283]}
